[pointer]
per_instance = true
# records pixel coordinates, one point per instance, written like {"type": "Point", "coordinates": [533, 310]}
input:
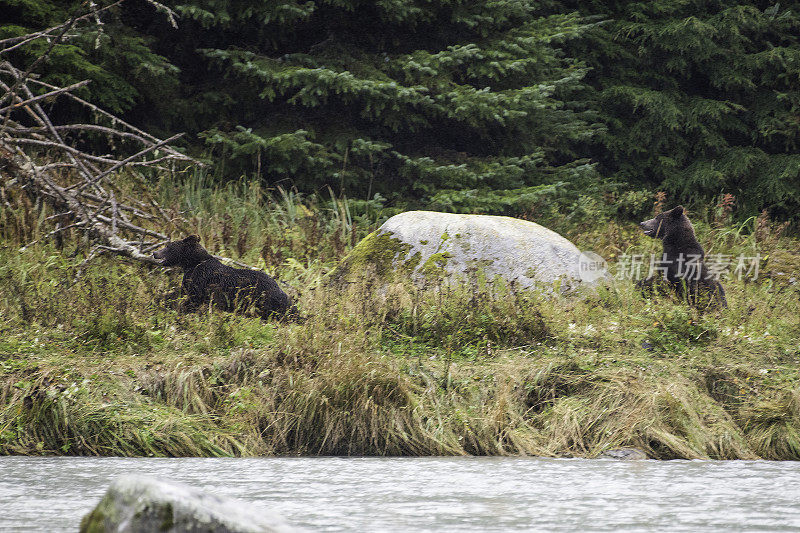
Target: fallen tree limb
{"type": "Point", "coordinates": [100, 228]}
{"type": "Point", "coordinates": [41, 158]}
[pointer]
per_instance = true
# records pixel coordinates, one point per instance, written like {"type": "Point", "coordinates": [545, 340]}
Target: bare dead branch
{"type": "Point", "coordinates": [137, 155]}
{"type": "Point", "coordinates": [88, 127]}
{"type": "Point", "coordinates": [46, 95]}
{"type": "Point", "coordinates": [38, 157]}
{"type": "Point", "coordinates": [5, 44]}
{"type": "Point", "coordinates": [21, 79]}
{"type": "Point", "coordinates": [61, 147]}
{"type": "Point", "coordinates": [114, 120]}
{"type": "Point", "coordinates": [171, 15]}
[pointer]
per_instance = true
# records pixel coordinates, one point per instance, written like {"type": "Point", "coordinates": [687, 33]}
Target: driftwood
{"type": "Point", "coordinates": [42, 158]}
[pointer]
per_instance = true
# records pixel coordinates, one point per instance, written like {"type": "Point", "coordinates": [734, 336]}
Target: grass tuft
{"type": "Point", "coordinates": [93, 363]}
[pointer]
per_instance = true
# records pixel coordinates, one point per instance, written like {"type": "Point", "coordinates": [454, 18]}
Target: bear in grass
{"type": "Point", "coordinates": [207, 281]}
{"type": "Point", "coordinates": [682, 268]}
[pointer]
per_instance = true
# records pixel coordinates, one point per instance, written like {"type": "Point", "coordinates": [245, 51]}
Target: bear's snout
{"type": "Point", "coordinates": [159, 254]}
{"type": "Point", "coordinates": [649, 227]}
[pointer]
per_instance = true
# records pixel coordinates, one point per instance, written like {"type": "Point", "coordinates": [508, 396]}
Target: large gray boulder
{"type": "Point", "coordinates": [138, 504]}
{"type": "Point", "coordinates": [426, 245]}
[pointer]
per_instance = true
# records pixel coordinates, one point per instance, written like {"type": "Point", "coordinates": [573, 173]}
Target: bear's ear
{"type": "Point", "coordinates": [678, 211]}
{"type": "Point", "coordinates": [192, 239]}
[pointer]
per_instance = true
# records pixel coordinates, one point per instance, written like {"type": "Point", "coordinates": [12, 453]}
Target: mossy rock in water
{"type": "Point", "coordinates": [138, 503]}
{"type": "Point", "coordinates": [431, 246]}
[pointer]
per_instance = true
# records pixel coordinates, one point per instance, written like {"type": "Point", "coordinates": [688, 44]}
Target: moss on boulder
{"type": "Point", "coordinates": [380, 254]}
{"type": "Point", "coordinates": [431, 246]}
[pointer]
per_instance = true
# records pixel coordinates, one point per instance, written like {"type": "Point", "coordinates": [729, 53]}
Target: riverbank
{"type": "Point", "coordinates": [93, 364]}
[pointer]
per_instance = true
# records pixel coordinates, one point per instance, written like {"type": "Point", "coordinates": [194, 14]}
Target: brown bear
{"type": "Point", "coordinates": [682, 267]}
{"type": "Point", "coordinates": [206, 280]}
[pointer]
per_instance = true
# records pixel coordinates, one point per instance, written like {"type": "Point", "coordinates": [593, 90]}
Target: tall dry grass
{"type": "Point", "coordinates": [95, 364]}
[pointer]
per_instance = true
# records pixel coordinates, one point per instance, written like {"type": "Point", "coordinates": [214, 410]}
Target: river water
{"type": "Point", "coordinates": [433, 494]}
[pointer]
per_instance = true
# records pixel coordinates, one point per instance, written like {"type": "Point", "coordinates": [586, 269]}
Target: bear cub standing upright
{"type": "Point", "coordinates": [682, 265]}
{"type": "Point", "coordinates": [206, 280]}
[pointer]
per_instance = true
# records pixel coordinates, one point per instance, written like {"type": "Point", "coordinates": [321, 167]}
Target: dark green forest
{"type": "Point", "coordinates": [508, 106]}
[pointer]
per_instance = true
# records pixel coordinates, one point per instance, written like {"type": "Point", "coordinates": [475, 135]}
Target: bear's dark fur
{"type": "Point", "coordinates": [206, 280]}
{"type": "Point", "coordinates": [682, 267]}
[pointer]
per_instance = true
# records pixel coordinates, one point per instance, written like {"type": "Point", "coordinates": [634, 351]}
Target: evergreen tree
{"type": "Point", "coordinates": [700, 98]}
{"type": "Point", "coordinates": [461, 105]}
{"type": "Point", "coordinates": [123, 70]}
{"type": "Point", "coordinates": [457, 104]}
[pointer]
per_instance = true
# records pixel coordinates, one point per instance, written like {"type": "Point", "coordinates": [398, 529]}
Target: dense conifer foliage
{"type": "Point", "coordinates": [463, 104]}
{"type": "Point", "coordinates": [504, 106]}
{"type": "Point", "coordinates": [700, 98]}
{"type": "Point", "coordinates": [125, 72]}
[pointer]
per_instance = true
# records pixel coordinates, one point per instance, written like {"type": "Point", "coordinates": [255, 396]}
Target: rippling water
{"type": "Point", "coordinates": [433, 494]}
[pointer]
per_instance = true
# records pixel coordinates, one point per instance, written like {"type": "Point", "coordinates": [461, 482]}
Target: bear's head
{"type": "Point", "coordinates": [184, 253]}
{"type": "Point", "coordinates": [667, 224]}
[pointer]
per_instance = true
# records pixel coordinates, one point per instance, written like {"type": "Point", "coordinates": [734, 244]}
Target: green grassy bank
{"type": "Point", "coordinates": [91, 362]}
